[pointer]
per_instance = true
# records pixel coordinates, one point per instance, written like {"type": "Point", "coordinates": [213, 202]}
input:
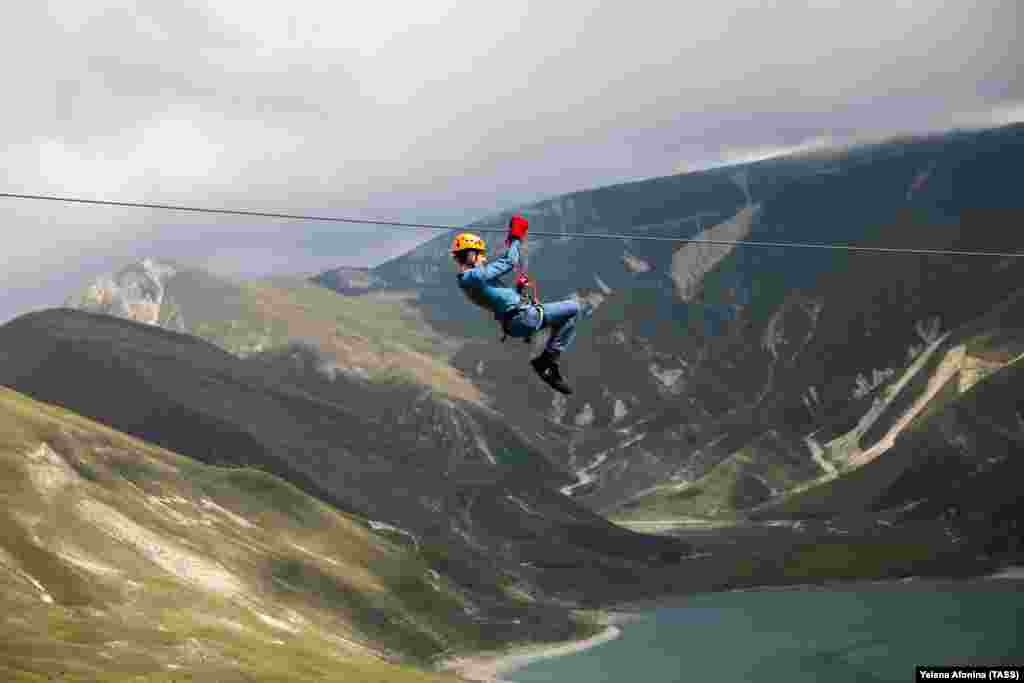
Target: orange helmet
{"type": "Point", "coordinates": [468, 240]}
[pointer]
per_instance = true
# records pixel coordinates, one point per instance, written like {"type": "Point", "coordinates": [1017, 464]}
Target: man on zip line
{"type": "Point", "coordinates": [520, 316]}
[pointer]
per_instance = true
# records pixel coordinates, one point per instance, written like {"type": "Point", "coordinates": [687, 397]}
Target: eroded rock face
{"type": "Point", "coordinates": [49, 472]}
{"type": "Point", "coordinates": [350, 280]}
{"type": "Point", "coordinates": [585, 416]}
{"type": "Point", "coordinates": [634, 264]}
{"type": "Point", "coordinates": [669, 377]}
{"type": "Point", "coordinates": [692, 261]}
{"type": "Point", "coordinates": [791, 328]}
{"type": "Point", "coordinates": [137, 292]}
{"type": "Point", "coordinates": [169, 555]}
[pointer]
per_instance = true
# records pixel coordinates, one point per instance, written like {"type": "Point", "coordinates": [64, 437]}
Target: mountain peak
{"type": "Point", "coordinates": [137, 292]}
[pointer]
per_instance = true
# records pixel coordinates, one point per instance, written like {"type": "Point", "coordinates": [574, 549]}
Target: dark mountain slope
{"type": "Point", "coordinates": [478, 520]}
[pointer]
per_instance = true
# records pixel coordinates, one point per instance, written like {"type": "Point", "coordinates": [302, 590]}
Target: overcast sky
{"type": "Point", "coordinates": [435, 110]}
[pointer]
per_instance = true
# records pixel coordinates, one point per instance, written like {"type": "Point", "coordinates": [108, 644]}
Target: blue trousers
{"type": "Point", "coordinates": [560, 316]}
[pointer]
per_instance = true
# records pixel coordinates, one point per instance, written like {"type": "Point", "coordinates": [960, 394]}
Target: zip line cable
{"type": "Point", "coordinates": [427, 226]}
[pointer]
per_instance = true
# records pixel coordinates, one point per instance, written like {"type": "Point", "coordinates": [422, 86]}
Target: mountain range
{"type": "Point", "coordinates": [357, 457]}
{"type": "Point", "coordinates": [700, 353]}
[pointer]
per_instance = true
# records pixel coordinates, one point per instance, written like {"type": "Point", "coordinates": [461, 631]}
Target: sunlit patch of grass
{"type": "Point", "coordinates": [720, 494]}
{"type": "Point", "coordinates": [253, 492]}
{"type": "Point", "coordinates": [64, 584]}
{"type": "Point", "coordinates": [378, 615]}
{"type": "Point", "coordinates": [381, 334]}
{"type": "Point", "coordinates": [62, 646]}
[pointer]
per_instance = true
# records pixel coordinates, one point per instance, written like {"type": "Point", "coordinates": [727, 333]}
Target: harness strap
{"type": "Point", "coordinates": [527, 297]}
{"type": "Point", "coordinates": [503, 322]}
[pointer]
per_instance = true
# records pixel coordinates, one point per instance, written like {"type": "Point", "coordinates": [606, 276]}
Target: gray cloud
{"type": "Point", "coordinates": [439, 110]}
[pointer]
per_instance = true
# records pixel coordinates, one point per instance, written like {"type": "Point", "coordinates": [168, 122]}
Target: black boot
{"type": "Point", "coordinates": [546, 365]}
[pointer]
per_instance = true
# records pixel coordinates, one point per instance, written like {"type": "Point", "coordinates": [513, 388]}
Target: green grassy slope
{"type": "Point", "coordinates": [122, 561]}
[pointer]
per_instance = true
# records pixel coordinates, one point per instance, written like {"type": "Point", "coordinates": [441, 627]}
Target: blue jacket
{"type": "Point", "coordinates": [482, 286]}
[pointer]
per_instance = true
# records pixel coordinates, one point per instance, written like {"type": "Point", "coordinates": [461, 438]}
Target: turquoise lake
{"type": "Point", "coordinates": [865, 633]}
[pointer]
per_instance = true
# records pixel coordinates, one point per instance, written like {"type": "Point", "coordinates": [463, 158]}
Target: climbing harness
{"type": "Point", "coordinates": [525, 301]}
{"type": "Point", "coordinates": [528, 298]}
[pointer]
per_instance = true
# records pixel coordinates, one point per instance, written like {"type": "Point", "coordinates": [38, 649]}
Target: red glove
{"type": "Point", "coordinates": [517, 227]}
{"type": "Point", "coordinates": [522, 281]}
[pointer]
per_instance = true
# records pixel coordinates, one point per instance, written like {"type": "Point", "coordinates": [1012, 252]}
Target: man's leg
{"type": "Point", "coordinates": [561, 317]}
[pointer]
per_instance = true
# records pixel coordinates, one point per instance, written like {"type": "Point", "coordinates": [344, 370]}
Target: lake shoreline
{"type": "Point", "coordinates": [489, 667]}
